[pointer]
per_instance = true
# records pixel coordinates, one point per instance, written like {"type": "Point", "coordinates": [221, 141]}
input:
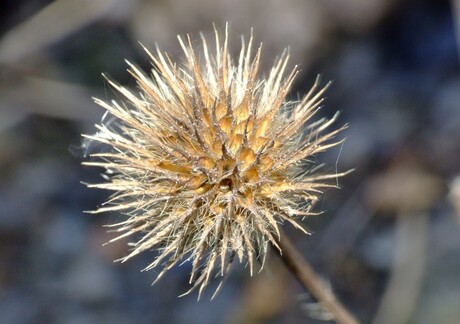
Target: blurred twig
{"type": "Point", "coordinates": [44, 96]}
{"type": "Point", "coordinates": [456, 16]}
{"type": "Point", "coordinates": [312, 282]}
{"type": "Point", "coordinates": [403, 288]}
{"type": "Point", "coordinates": [53, 23]}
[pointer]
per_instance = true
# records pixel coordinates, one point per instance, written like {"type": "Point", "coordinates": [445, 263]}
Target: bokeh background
{"type": "Point", "coordinates": [388, 242]}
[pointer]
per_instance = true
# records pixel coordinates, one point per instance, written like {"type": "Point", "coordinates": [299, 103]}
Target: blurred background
{"type": "Point", "coordinates": [388, 242]}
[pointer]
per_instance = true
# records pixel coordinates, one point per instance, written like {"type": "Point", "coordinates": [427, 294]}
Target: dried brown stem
{"type": "Point", "coordinates": [307, 277]}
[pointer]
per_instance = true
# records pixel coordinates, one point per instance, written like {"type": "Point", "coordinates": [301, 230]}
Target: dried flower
{"type": "Point", "coordinates": [208, 159]}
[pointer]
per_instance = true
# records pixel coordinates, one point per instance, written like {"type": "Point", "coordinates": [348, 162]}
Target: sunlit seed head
{"type": "Point", "coordinates": [208, 158]}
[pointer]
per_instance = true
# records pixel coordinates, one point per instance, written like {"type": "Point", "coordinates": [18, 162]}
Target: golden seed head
{"type": "Point", "coordinates": [208, 159]}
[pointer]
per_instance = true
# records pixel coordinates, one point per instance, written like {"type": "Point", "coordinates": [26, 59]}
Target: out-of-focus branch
{"type": "Point", "coordinates": [403, 288]}
{"type": "Point", "coordinates": [456, 16]}
{"type": "Point", "coordinates": [52, 24]}
{"type": "Point", "coordinates": [44, 96]}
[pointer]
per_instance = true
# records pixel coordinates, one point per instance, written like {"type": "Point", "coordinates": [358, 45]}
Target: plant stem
{"type": "Point", "coordinates": [307, 277]}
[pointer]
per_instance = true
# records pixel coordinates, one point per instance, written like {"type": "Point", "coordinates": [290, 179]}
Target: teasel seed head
{"type": "Point", "coordinates": [208, 159]}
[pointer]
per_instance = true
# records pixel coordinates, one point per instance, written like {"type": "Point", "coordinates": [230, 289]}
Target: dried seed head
{"type": "Point", "coordinates": [208, 159]}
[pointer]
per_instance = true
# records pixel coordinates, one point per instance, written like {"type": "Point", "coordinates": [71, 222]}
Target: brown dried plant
{"type": "Point", "coordinates": [208, 158]}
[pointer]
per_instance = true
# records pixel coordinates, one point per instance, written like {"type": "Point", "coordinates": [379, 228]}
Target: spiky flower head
{"type": "Point", "coordinates": [209, 158]}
